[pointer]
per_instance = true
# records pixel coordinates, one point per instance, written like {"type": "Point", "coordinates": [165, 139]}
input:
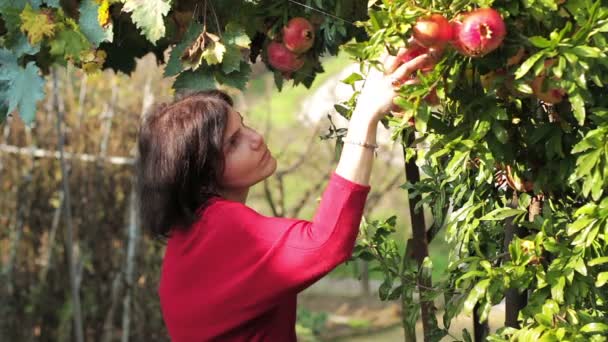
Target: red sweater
{"type": "Point", "coordinates": [234, 275]}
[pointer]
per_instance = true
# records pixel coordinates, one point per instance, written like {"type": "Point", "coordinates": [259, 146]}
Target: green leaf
{"type": "Point", "coordinates": [557, 290]}
{"type": "Point", "coordinates": [26, 87]}
{"type": "Point", "coordinates": [500, 132]}
{"type": "Point", "coordinates": [475, 295]}
{"type": "Point", "coordinates": [578, 106]}
{"type": "Point", "coordinates": [528, 64]}
{"type": "Point", "coordinates": [602, 279]}
{"type": "Point", "coordinates": [579, 225]}
{"type": "Point", "coordinates": [501, 214]}
{"type": "Point", "coordinates": [201, 79]}
{"type": "Point", "coordinates": [148, 15]}
{"type": "Point", "coordinates": [234, 34]}
{"type": "Point", "coordinates": [540, 42]}
{"type": "Point", "coordinates": [352, 78]}
{"type": "Point", "coordinates": [586, 51]}
{"type": "Point", "coordinates": [598, 261]}
{"type": "Point", "coordinates": [69, 44]}
{"type": "Point", "coordinates": [174, 65]}
{"type": "Point", "coordinates": [236, 79]}
{"type": "Point", "coordinates": [89, 24]}
{"type": "Point", "coordinates": [232, 59]}
{"type": "Point", "coordinates": [595, 328]}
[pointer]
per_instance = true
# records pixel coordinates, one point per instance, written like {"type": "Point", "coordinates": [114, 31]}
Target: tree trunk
{"type": "Point", "coordinates": [71, 243]}
{"type": "Point", "coordinates": [514, 301]}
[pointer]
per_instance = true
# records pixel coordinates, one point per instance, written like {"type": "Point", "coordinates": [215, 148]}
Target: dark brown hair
{"type": "Point", "coordinates": [180, 160]}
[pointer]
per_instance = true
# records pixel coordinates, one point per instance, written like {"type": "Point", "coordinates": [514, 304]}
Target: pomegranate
{"type": "Point", "coordinates": [282, 59]}
{"type": "Point", "coordinates": [413, 52]}
{"type": "Point", "coordinates": [478, 32]}
{"type": "Point", "coordinates": [298, 35]}
{"type": "Point", "coordinates": [551, 94]}
{"type": "Point", "coordinates": [434, 30]}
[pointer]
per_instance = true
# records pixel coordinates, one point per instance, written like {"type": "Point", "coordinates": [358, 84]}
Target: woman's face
{"type": "Point", "coordinates": [247, 158]}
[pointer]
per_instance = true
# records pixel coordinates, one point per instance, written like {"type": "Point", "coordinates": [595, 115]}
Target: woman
{"type": "Point", "coordinates": [229, 273]}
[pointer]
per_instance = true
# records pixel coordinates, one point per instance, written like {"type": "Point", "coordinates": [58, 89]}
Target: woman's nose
{"type": "Point", "coordinates": [257, 140]}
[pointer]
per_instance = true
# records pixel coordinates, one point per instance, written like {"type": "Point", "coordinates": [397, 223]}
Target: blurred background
{"type": "Point", "coordinates": [118, 263]}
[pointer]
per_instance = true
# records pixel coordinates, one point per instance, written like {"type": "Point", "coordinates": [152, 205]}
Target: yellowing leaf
{"type": "Point", "coordinates": [148, 16]}
{"type": "Point", "coordinates": [36, 24]}
{"type": "Point", "coordinates": [214, 53]}
{"type": "Point", "coordinates": [103, 13]}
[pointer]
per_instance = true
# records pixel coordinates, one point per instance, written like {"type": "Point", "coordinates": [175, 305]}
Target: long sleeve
{"type": "Point", "coordinates": [242, 263]}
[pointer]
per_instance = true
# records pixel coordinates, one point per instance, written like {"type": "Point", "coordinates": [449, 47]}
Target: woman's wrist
{"type": "Point", "coordinates": [363, 116]}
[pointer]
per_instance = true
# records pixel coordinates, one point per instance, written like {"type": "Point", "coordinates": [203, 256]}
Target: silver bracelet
{"type": "Point", "coordinates": [361, 143]}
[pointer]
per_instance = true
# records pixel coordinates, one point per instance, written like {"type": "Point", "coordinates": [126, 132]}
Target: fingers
{"type": "Point", "coordinates": [392, 62]}
{"type": "Point", "coordinates": [407, 68]}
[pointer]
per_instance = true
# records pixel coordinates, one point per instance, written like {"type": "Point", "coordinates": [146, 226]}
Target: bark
{"type": "Point", "coordinates": [514, 301]}
{"type": "Point", "coordinates": [419, 245]}
{"type": "Point", "coordinates": [52, 237]}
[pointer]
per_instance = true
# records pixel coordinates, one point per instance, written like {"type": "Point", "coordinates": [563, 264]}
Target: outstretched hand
{"type": "Point", "coordinates": [379, 90]}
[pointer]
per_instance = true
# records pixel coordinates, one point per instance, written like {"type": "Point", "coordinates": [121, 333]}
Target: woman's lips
{"type": "Point", "coordinates": [265, 155]}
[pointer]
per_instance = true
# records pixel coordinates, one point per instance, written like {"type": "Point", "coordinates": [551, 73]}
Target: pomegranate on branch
{"type": "Point", "coordinates": [479, 32]}
{"type": "Point", "coordinates": [434, 30]}
{"type": "Point", "coordinates": [298, 35]}
{"type": "Point", "coordinates": [282, 58]}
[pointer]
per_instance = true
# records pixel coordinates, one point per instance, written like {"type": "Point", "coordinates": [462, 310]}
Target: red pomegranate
{"type": "Point", "coordinates": [479, 32]}
{"type": "Point", "coordinates": [434, 30]}
{"type": "Point", "coordinates": [413, 52]}
{"type": "Point", "coordinates": [282, 59]}
{"type": "Point", "coordinates": [298, 35]}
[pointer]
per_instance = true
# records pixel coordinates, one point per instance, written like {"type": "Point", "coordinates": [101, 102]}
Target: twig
{"type": "Point", "coordinates": [42, 153]}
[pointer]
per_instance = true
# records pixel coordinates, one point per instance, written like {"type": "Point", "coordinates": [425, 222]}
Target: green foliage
{"type": "Point", "coordinates": [497, 156]}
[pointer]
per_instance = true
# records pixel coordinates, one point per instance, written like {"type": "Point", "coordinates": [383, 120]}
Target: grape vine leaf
{"type": "Point", "coordinates": [11, 18]}
{"type": "Point", "coordinates": [206, 46]}
{"type": "Point", "coordinates": [52, 3]}
{"type": "Point", "coordinates": [237, 79]}
{"type": "Point", "coordinates": [235, 35]}
{"type": "Point", "coordinates": [90, 26]}
{"type": "Point", "coordinates": [69, 43]}
{"type": "Point", "coordinates": [20, 45]}
{"type": "Point", "coordinates": [13, 4]}
{"type": "Point", "coordinates": [25, 88]}
{"type": "Point", "coordinates": [214, 51]}
{"type": "Point", "coordinates": [37, 24]}
{"type": "Point", "coordinates": [232, 59]}
{"type": "Point", "coordinates": [148, 16]}
{"type": "Point", "coordinates": [174, 65]}
{"type": "Point", "coordinates": [200, 79]}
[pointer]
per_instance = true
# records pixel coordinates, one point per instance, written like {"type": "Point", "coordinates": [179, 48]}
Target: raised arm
{"type": "Point", "coordinates": [375, 101]}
